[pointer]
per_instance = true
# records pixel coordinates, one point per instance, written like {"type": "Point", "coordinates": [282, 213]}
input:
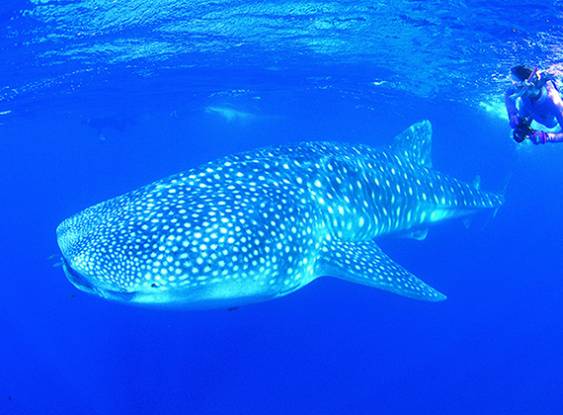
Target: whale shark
{"type": "Point", "coordinates": [259, 225]}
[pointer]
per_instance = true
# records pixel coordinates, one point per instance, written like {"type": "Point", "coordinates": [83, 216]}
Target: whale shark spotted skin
{"type": "Point", "coordinates": [262, 224]}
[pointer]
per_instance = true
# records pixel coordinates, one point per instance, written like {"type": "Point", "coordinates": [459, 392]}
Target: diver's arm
{"type": "Point", "coordinates": [558, 136]}
{"type": "Point", "coordinates": [511, 108]}
{"type": "Point", "coordinates": [543, 137]}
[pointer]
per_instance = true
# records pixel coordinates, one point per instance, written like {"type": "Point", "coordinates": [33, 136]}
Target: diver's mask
{"type": "Point", "coordinates": [530, 86]}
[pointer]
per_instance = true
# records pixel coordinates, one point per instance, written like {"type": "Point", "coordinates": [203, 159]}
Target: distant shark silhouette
{"type": "Point", "coordinates": [230, 114]}
{"type": "Point", "coordinates": [262, 224]}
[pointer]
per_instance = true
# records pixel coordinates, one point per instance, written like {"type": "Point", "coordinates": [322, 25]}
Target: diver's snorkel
{"type": "Point", "coordinates": [535, 76]}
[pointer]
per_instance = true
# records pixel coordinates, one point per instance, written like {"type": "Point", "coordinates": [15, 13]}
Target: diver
{"type": "Point", "coordinates": [534, 96]}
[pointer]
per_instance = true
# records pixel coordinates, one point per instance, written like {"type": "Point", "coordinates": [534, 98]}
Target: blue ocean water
{"type": "Point", "coordinates": [99, 97]}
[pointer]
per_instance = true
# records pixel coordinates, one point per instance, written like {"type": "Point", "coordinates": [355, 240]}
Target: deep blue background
{"type": "Point", "coordinates": [494, 347]}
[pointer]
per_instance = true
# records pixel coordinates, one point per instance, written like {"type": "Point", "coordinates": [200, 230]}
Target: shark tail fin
{"type": "Point", "coordinates": [483, 220]}
{"type": "Point", "coordinates": [365, 263]}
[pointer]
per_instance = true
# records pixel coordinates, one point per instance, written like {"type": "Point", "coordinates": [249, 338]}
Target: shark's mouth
{"type": "Point", "coordinates": [78, 280]}
{"type": "Point", "coordinates": [84, 284]}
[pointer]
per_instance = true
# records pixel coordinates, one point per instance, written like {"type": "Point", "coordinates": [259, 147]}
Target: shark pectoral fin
{"type": "Point", "coordinates": [365, 263]}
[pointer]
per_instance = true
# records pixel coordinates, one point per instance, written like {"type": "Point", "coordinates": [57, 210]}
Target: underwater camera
{"type": "Point", "coordinates": [522, 131]}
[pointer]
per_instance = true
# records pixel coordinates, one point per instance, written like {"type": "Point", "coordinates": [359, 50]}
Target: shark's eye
{"type": "Point", "coordinates": [155, 285]}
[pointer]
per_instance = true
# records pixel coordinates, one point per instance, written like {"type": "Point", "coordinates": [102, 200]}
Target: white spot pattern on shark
{"type": "Point", "coordinates": [261, 224]}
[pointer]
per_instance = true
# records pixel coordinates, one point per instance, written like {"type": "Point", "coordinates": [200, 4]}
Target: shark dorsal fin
{"type": "Point", "coordinates": [415, 143]}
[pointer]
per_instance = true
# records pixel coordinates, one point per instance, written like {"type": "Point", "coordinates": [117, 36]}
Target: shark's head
{"type": "Point", "coordinates": [97, 254]}
{"type": "Point", "coordinates": [125, 250]}
{"type": "Point", "coordinates": [188, 239]}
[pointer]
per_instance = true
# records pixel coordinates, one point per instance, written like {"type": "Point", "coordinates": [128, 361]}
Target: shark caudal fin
{"type": "Point", "coordinates": [415, 144]}
{"type": "Point", "coordinates": [365, 263]}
